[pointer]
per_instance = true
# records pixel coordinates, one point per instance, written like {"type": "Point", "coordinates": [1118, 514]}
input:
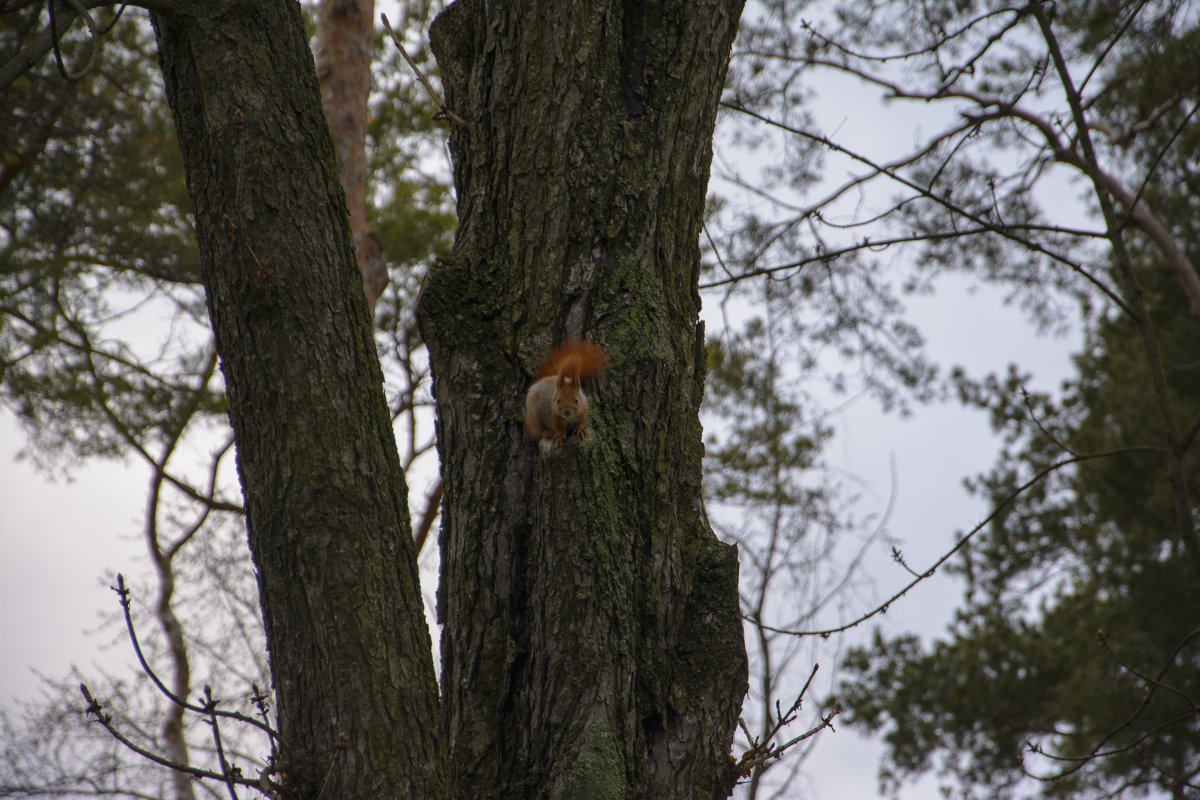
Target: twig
{"type": "Point", "coordinates": [1033, 415]}
{"type": "Point", "coordinates": [443, 111]}
{"type": "Point", "coordinates": [95, 38]}
{"type": "Point", "coordinates": [763, 749]}
{"type": "Point", "coordinates": [260, 700]}
{"type": "Point", "coordinates": [228, 771]}
{"type": "Point", "coordinates": [123, 594]}
{"type": "Point", "coordinates": [95, 709]}
{"type": "Point", "coordinates": [999, 230]}
{"type": "Point", "coordinates": [885, 605]}
{"type": "Point", "coordinates": [898, 557]}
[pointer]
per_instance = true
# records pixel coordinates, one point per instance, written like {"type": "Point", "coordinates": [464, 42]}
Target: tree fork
{"type": "Point", "coordinates": [592, 644]}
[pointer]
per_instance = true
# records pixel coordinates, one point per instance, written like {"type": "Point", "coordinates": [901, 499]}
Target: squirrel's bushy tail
{"type": "Point", "coordinates": [580, 360]}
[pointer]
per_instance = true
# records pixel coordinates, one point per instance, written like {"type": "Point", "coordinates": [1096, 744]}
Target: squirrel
{"type": "Point", "coordinates": [555, 405]}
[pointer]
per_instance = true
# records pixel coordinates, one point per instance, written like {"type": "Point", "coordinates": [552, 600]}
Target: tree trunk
{"type": "Point", "coordinates": [592, 644]}
{"type": "Point", "coordinates": [325, 497]}
{"type": "Point", "coordinates": [342, 51]}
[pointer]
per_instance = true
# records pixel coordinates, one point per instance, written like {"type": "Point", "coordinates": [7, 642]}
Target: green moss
{"type": "Point", "coordinates": [597, 773]}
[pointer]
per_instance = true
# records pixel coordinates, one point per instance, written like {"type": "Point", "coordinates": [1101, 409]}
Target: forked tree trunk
{"type": "Point", "coordinates": [592, 645]}
{"type": "Point", "coordinates": [325, 497]}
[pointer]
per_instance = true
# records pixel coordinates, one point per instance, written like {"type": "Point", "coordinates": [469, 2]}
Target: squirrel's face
{"type": "Point", "coordinates": [568, 408]}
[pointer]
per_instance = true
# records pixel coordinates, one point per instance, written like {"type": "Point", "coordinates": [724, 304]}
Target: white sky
{"type": "Point", "coordinates": [57, 540]}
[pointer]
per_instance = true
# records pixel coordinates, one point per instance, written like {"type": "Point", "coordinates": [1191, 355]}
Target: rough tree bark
{"type": "Point", "coordinates": [325, 496]}
{"type": "Point", "coordinates": [592, 646]}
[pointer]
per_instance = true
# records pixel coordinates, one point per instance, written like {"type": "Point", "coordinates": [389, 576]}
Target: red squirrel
{"type": "Point", "coordinates": [555, 405]}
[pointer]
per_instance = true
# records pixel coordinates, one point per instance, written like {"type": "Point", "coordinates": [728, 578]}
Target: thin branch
{"type": "Point", "coordinates": [92, 31]}
{"type": "Point", "coordinates": [1162, 152]}
{"type": "Point", "coordinates": [856, 561]}
{"type": "Point", "coordinates": [716, 250]}
{"type": "Point", "coordinates": [855, 181]}
{"type": "Point", "coordinates": [898, 557]}
{"type": "Point", "coordinates": [96, 710]}
{"type": "Point", "coordinates": [867, 243]}
{"type": "Point", "coordinates": [433, 501]}
{"type": "Point", "coordinates": [1061, 445]}
{"type": "Point", "coordinates": [261, 700]}
{"type": "Point", "coordinates": [764, 749]}
{"type": "Point", "coordinates": [1154, 683]}
{"type": "Point", "coordinates": [885, 605]}
{"type": "Point", "coordinates": [999, 230]}
{"type": "Point", "coordinates": [85, 347]}
{"type": "Point", "coordinates": [123, 594]}
{"type": "Point", "coordinates": [226, 770]}
{"type": "Point", "coordinates": [932, 47]}
{"type": "Point", "coordinates": [1081, 760]}
{"type": "Point", "coordinates": [443, 111]}
{"type": "Point", "coordinates": [29, 55]}
{"type": "Point", "coordinates": [1112, 43]}
{"type": "Point", "coordinates": [1137, 211]}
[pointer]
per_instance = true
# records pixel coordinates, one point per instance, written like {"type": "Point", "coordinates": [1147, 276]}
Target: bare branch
{"type": "Point", "coordinates": [47, 40]}
{"type": "Point", "coordinates": [1007, 108]}
{"type": "Point", "coordinates": [123, 595]}
{"type": "Point", "coordinates": [92, 31]}
{"type": "Point", "coordinates": [825, 256]}
{"type": "Point", "coordinates": [1042, 474]}
{"type": "Point", "coordinates": [764, 749]}
{"type": "Point", "coordinates": [433, 501]}
{"type": "Point", "coordinates": [443, 111]}
{"type": "Point", "coordinates": [1153, 684]}
{"type": "Point", "coordinates": [96, 710]}
{"type": "Point", "coordinates": [1000, 230]}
